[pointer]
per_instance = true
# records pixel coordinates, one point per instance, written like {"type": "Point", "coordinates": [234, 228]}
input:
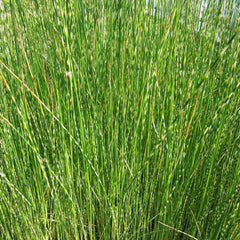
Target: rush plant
{"type": "Point", "coordinates": [119, 119]}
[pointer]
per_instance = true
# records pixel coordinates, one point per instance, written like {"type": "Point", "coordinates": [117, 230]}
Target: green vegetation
{"type": "Point", "coordinates": [119, 120]}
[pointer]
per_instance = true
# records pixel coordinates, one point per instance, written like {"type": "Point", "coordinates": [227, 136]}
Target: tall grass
{"type": "Point", "coordinates": [119, 120]}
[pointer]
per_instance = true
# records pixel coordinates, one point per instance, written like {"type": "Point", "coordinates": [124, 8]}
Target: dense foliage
{"type": "Point", "coordinates": [119, 120]}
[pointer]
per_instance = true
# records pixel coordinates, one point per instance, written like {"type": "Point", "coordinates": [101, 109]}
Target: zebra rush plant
{"type": "Point", "coordinates": [119, 119]}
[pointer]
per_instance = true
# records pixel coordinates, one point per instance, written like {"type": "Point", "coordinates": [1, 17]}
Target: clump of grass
{"type": "Point", "coordinates": [119, 120]}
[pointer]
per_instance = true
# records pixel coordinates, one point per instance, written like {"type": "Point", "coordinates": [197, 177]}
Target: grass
{"type": "Point", "coordinates": [119, 120]}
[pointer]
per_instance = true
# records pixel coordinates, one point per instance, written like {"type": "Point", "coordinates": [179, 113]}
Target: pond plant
{"type": "Point", "coordinates": [119, 119]}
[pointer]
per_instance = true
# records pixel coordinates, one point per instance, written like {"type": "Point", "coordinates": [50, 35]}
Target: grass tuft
{"type": "Point", "coordinates": [119, 119]}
